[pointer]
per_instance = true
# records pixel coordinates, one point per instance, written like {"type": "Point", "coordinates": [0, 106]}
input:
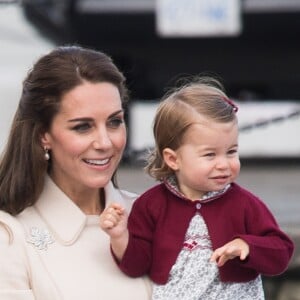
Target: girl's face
{"type": "Point", "coordinates": [87, 137]}
{"type": "Point", "coordinates": [208, 158]}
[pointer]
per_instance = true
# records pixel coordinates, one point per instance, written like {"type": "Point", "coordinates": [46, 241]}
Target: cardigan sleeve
{"type": "Point", "coordinates": [14, 279]}
{"type": "Point", "coordinates": [270, 248]}
{"type": "Point", "coordinates": [137, 259]}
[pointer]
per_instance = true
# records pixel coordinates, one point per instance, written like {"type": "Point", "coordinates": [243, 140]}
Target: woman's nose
{"type": "Point", "coordinates": [102, 140]}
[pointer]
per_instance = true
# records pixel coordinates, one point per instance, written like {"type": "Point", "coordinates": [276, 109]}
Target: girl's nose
{"type": "Point", "coordinates": [222, 163]}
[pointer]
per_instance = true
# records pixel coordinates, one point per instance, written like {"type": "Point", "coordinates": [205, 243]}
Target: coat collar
{"type": "Point", "coordinates": [63, 217]}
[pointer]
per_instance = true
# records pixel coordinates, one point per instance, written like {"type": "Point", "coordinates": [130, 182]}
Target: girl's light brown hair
{"type": "Point", "coordinates": [174, 115]}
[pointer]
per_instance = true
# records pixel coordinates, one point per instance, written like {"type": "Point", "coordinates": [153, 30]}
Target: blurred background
{"type": "Point", "coordinates": [252, 45]}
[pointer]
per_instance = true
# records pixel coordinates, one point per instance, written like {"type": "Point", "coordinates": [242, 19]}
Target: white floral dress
{"type": "Point", "coordinates": [193, 277]}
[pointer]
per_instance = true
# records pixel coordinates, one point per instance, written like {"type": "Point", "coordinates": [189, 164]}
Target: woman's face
{"type": "Point", "coordinates": [87, 137]}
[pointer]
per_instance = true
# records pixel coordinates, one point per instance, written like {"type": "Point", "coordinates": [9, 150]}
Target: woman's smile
{"type": "Point", "coordinates": [97, 162]}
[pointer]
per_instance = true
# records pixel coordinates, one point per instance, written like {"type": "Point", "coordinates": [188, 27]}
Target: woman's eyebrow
{"type": "Point", "coordinates": [87, 119]}
{"type": "Point", "coordinates": [84, 119]}
{"type": "Point", "coordinates": [116, 113]}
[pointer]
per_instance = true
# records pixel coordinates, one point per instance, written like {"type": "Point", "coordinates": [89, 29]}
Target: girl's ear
{"type": "Point", "coordinates": [170, 158]}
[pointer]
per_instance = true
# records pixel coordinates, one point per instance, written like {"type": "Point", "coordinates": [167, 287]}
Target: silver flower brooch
{"type": "Point", "coordinates": [40, 238]}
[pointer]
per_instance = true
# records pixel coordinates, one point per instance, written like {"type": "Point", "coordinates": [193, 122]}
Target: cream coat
{"type": "Point", "coordinates": [52, 251]}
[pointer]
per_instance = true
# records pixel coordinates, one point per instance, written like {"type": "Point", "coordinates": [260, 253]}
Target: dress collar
{"type": "Point", "coordinates": [172, 185]}
{"type": "Point", "coordinates": [63, 217]}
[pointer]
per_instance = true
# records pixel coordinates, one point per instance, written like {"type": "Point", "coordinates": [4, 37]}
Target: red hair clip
{"type": "Point", "coordinates": [230, 102]}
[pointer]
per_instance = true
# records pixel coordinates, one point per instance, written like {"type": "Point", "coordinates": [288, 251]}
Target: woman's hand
{"type": "Point", "coordinates": [236, 248]}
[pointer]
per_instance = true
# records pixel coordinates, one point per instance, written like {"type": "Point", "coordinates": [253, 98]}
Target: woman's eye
{"type": "Point", "coordinates": [82, 127]}
{"type": "Point", "coordinates": [115, 123]}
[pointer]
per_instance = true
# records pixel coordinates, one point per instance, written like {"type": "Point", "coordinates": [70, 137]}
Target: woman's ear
{"type": "Point", "coordinates": [45, 141]}
{"type": "Point", "coordinates": [170, 158]}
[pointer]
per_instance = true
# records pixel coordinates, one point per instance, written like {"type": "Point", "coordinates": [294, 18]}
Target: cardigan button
{"type": "Point", "coordinates": [198, 205]}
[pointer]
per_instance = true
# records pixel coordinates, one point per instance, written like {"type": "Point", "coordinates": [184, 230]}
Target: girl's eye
{"type": "Point", "coordinates": [82, 127]}
{"type": "Point", "coordinates": [210, 154]}
{"type": "Point", "coordinates": [115, 122]}
{"type": "Point", "coordinates": [232, 151]}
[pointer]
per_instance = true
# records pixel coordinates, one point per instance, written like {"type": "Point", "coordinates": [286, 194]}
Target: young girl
{"type": "Point", "coordinates": [198, 234]}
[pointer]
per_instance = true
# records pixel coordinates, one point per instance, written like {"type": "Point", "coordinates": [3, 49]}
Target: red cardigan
{"type": "Point", "coordinates": [159, 220]}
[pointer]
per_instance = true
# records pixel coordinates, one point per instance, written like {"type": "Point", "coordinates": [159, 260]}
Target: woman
{"type": "Point", "coordinates": [56, 177]}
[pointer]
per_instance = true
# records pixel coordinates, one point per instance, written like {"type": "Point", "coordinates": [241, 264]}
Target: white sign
{"type": "Point", "coordinates": [192, 18]}
{"type": "Point", "coordinates": [275, 139]}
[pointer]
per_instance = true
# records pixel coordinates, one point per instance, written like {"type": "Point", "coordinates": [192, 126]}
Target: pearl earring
{"type": "Point", "coordinates": [46, 154]}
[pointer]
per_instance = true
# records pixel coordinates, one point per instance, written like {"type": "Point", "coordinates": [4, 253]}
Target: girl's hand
{"type": "Point", "coordinates": [236, 248]}
{"type": "Point", "coordinates": [113, 220]}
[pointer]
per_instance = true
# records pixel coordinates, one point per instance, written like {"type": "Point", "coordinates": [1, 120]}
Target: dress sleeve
{"type": "Point", "coordinates": [270, 248]}
{"type": "Point", "coordinates": [14, 274]}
